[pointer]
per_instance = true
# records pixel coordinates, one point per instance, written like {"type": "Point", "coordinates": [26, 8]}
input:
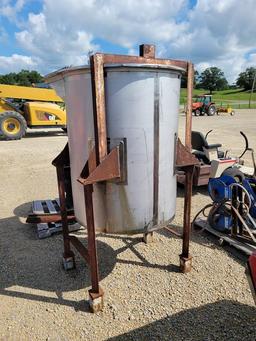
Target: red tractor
{"type": "Point", "coordinates": [204, 105]}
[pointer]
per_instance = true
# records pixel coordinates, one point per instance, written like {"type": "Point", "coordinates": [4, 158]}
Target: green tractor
{"type": "Point", "coordinates": [203, 105]}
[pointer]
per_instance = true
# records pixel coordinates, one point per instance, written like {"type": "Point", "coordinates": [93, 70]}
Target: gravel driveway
{"type": "Point", "coordinates": [146, 298]}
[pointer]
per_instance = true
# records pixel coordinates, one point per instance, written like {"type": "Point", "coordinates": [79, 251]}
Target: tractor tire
{"type": "Point", "coordinates": [235, 173]}
{"type": "Point", "coordinates": [197, 112]}
{"type": "Point", "coordinates": [13, 125]}
{"type": "Point", "coordinates": [211, 110]}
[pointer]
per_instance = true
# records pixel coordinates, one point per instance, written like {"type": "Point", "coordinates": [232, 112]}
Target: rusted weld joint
{"type": "Point", "coordinates": [108, 168]}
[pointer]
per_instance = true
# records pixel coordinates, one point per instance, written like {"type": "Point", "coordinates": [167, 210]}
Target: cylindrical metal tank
{"type": "Point", "coordinates": [142, 105]}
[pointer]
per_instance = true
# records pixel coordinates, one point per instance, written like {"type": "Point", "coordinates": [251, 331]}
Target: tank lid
{"type": "Point", "coordinates": [86, 68]}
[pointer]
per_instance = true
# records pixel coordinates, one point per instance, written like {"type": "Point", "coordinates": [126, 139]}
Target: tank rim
{"type": "Point", "coordinates": [86, 68]}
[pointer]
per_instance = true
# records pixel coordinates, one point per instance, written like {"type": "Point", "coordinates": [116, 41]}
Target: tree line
{"type": "Point", "coordinates": [24, 77]}
{"type": "Point", "coordinates": [211, 79]}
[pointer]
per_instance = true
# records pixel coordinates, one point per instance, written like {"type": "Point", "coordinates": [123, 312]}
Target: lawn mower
{"type": "Point", "coordinates": [215, 163]}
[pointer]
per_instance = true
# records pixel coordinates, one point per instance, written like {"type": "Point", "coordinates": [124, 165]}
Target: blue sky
{"type": "Point", "coordinates": [10, 45]}
{"type": "Point", "coordinates": [49, 34]}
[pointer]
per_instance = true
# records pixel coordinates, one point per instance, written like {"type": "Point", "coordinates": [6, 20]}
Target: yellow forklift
{"type": "Point", "coordinates": [22, 107]}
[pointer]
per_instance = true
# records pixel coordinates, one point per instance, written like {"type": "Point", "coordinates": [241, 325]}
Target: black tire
{"type": "Point", "coordinates": [65, 129]}
{"type": "Point", "coordinates": [197, 112]}
{"type": "Point", "coordinates": [211, 110]}
{"type": "Point", "coordinates": [235, 173]}
{"type": "Point", "coordinates": [13, 125]}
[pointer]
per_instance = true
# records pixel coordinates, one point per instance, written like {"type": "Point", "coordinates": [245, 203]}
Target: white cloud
{"type": "Point", "coordinates": [55, 43]}
{"type": "Point", "coordinates": [220, 32]}
{"type": "Point", "coordinates": [10, 10]}
{"type": "Point", "coordinates": [17, 62]}
{"type": "Point", "coordinates": [63, 33]}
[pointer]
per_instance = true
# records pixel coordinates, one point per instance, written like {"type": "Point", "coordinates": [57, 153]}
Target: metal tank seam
{"type": "Point", "coordinates": [156, 151]}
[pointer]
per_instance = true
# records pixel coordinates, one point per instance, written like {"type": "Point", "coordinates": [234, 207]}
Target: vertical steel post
{"type": "Point", "coordinates": [68, 255]}
{"type": "Point", "coordinates": [99, 108]}
{"type": "Point", "coordinates": [185, 257]}
{"type": "Point", "coordinates": [148, 51]}
{"type": "Point", "coordinates": [92, 250]}
{"type": "Point", "coordinates": [190, 86]}
{"type": "Point", "coordinates": [187, 211]}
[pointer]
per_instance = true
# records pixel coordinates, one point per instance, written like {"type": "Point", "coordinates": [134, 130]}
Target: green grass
{"type": "Point", "coordinates": [225, 97]}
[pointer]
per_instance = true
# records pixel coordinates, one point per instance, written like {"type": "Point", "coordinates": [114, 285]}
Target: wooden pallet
{"type": "Point", "coordinates": [44, 230]}
{"type": "Point", "coordinates": [244, 246]}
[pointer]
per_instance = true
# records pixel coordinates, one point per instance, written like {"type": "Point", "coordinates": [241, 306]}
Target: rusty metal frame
{"type": "Point", "coordinates": [98, 61]}
{"type": "Point", "coordinates": [61, 160]}
{"type": "Point", "coordinates": [103, 165]}
{"type": "Point", "coordinates": [147, 56]}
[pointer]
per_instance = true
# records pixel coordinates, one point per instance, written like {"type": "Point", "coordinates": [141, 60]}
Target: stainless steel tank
{"type": "Point", "coordinates": [142, 105]}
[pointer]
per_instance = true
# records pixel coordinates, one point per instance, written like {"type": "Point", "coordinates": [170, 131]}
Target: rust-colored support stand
{"type": "Point", "coordinates": [105, 165]}
{"type": "Point", "coordinates": [68, 255]}
{"type": "Point", "coordinates": [90, 255]}
{"type": "Point", "coordinates": [60, 162]}
{"type": "Point", "coordinates": [95, 293]}
{"type": "Point", "coordinates": [185, 257]}
{"type": "Point", "coordinates": [186, 162]}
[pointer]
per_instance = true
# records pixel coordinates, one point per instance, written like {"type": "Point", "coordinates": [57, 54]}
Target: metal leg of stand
{"type": "Point", "coordinates": [68, 255]}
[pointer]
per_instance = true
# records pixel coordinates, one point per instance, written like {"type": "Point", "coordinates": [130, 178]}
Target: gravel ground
{"type": "Point", "coordinates": [146, 296]}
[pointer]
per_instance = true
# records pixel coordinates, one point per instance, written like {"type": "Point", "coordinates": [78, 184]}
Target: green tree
{"type": "Point", "coordinates": [9, 78]}
{"type": "Point", "coordinates": [24, 77]}
{"type": "Point", "coordinates": [245, 79]}
{"type": "Point", "coordinates": [212, 79]}
{"type": "Point", "coordinates": [184, 79]}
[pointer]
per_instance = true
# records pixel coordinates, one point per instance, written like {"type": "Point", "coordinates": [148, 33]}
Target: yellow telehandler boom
{"type": "Point", "coordinates": [22, 107]}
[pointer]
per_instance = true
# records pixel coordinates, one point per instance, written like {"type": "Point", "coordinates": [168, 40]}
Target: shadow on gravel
{"type": "Point", "coordinates": [223, 320]}
{"type": "Point", "coordinates": [130, 243]}
{"type": "Point", "coordinates": [36, 264]}
{"type": "Point", "coordinates": [32, 263]}
{"type": "Point", "coordinates": [196, 190]}
{"type": "Point", "coordinates": [207, 240]}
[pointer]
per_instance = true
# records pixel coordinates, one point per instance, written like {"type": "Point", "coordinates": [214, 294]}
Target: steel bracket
{"type": "Point", "coordinates": [184, 157]}
{"type": "Point", "coordinates": [108, 169]}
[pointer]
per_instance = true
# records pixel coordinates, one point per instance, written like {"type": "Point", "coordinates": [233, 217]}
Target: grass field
{"type": "Point", "coordinates": [237, 98]}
